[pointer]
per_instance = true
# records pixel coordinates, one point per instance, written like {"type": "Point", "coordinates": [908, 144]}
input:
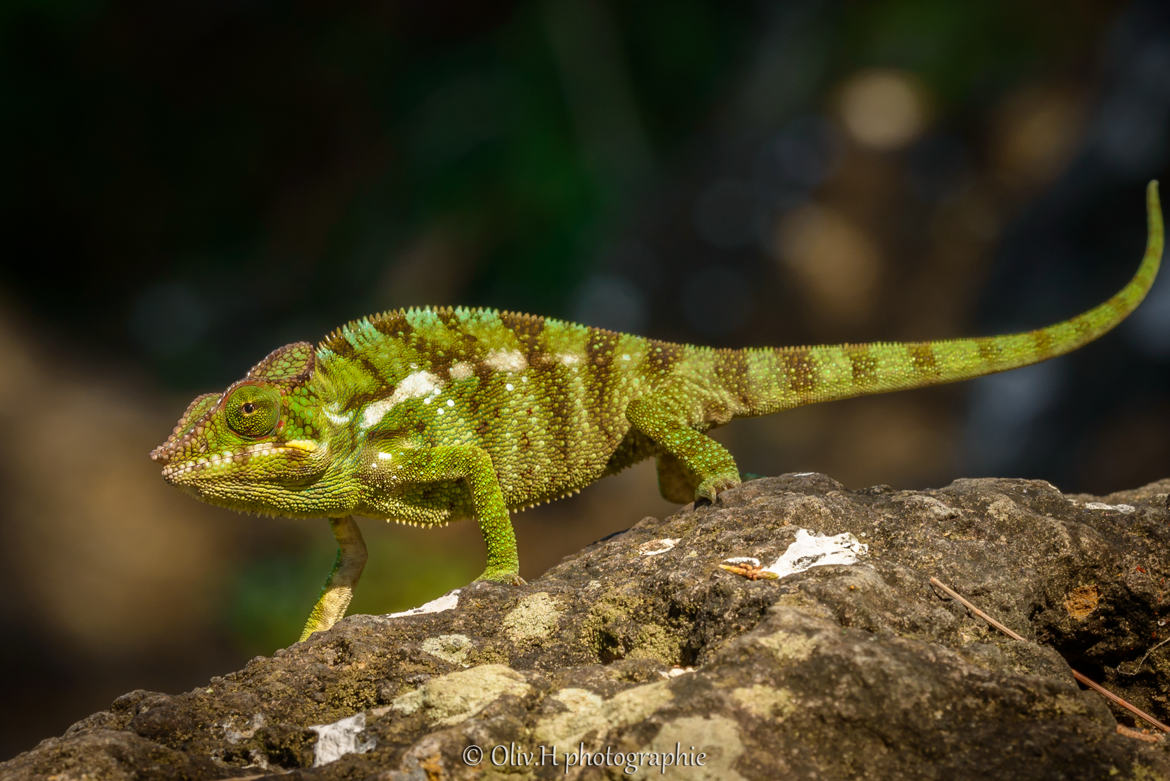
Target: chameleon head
{"type": "Point", "coordinates": [255, 446]}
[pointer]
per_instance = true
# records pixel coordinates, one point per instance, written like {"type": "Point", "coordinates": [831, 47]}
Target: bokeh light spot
{"type": "Point", "coordinates": [883, 109]}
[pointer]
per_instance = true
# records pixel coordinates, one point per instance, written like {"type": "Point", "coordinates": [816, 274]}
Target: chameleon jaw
{"type": "Point", "coordinates": [175, 473]}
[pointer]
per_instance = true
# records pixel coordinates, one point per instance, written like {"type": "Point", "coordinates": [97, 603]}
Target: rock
{"type": "Point", "coordinates": [643, 647]}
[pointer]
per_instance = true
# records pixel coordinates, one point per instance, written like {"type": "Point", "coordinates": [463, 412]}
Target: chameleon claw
{"type": "Point", "coordinates": [710, 489]}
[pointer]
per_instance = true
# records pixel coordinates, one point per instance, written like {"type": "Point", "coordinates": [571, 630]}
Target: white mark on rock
{"type": "Point", "coordinates": [657, 547]}
{"type": "Point", "coordinates": [675, 672]}
{"type": "Point", "coordinates": [803, 474]}
{"type": "Point", "coordinates": [1121, 508]}
{"type": "Point", "coordinates": [816, 550]}
{"type": "Point", "coordinates": [413, 386]}
{"type": "Point", "coordinates": [235, 736]}
{"type": "Point", "coordinates": [342, 737]}
{"type": "Point", "coordinates": [751, 561]}
{"type": "Point", "coordinates": [445, 602]}
{"type": "Point", "coordinates": [506, 360]}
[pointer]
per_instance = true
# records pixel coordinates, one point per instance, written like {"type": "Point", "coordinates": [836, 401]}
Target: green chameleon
{"type": "Point", "coordinates": [425, 416]}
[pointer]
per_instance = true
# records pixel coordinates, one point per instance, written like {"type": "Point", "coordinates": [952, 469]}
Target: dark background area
{"type": "Point", "coordinates": [187, 186]}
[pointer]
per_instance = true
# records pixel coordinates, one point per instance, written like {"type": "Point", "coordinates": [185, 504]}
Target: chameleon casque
{"type": "Point", "coordinates": [430, 415]}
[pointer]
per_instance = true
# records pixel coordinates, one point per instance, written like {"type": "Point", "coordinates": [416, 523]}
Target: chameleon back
{"type": "Point", "coordinates": [545, 398]}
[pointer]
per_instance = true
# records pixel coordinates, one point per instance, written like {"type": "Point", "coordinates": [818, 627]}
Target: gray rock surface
{"type": "Point", "coordinates": [641, 643]}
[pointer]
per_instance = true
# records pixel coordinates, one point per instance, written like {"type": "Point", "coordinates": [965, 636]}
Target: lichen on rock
{"type": "Point", "coordinates": [640, 648]}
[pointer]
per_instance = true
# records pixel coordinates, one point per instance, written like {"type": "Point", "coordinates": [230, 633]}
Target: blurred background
{"type": "Point", "coordinates": [187, 186]}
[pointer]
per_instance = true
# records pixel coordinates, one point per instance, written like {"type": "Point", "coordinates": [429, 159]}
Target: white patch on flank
{"type": "Point", "coordinates": [1121, 508]}
{"type": "Point", "coordinates": [342, 737]}
{"type": "Point", "coordinates": [450, 402]}
{"type": "Point", "coordinates": [333, 412]}
{"type": "Point", "coordinates": [506, 360]}
{"type": "Point", "coordinates": [509, 386]}
{"type": "Point", "coordinates": [461, 370]}
{"type": "Point", "coordinates": [413, 386]}
{"type": "Point", "coordinates": [657, 547]}
{"type": "Point", "coordinates": [386, 456]}
{"type": "Point", "coordinates": [625, 357]}
{"type": "Point", "coordinates": [445, 602]}
{"type": "Point", "coordinates": [816, 550]}
{"type": "Point", "coordinates": [568, 359]}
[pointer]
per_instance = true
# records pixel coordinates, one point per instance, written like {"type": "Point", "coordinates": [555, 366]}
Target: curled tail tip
{"type": "Point", "coordinates": [1154, 219]}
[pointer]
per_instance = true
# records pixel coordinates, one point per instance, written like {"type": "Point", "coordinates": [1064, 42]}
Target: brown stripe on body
{"type": "Point", "coordinates": [599, 353]}
{"type": "Point", "coordinates": [1042, 340]}
{"type": "Point", "coordinates": [863, 364]}
{"type": "Point", "coordinates": [661, 357]}
{"type": "Point", "coordinates": [392, 325]}
{"type": "Point", "coordinates": [339, 346]}
{"type": "Point", "coordinates": [989, 349]}
{"type": "Point", "coordinates": [528, 330]}
{"type": "Point", "coordinates": [923, 359]}
{"type": "Point", "coordinates": [800, 372]}
{"type": "Point", "coordinates": [731, 370]}
{"type": "Point", "coordinates": [559, 397]}
{"type": "Point", "coordinates": [448, 318]}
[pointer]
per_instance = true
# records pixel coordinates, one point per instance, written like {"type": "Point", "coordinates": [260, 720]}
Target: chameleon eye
{"type": "Point", "coordinates": [252, 410]}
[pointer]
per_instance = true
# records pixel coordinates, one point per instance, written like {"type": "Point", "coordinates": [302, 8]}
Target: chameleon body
{"type": "Point", "coordinates": [430, 415]}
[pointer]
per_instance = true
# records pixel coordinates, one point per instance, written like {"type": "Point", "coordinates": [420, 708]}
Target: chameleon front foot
{"type": "Point", "coordinates": [502, 576]}
{"type": "Point", "coordinates": [338, 589]}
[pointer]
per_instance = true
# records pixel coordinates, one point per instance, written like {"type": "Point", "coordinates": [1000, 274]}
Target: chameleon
{"type": "Point", "coordinates": [430, 415]}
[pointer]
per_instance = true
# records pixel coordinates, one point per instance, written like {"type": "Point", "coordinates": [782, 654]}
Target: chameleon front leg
{"type": "Point", "coordinates": [689, 457]}
{"type": "Point", "coordinates": [471, 465]}
{"type": "Point", "coordinates": [339, 586]}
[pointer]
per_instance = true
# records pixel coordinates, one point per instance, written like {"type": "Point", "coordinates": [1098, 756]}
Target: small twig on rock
{"type": "Point", "coordinates": [1146, 655]}
{"type": "Point", "coordinates": [1081, 678]}
{"type": "Point", "coordinates": [1138, 734]}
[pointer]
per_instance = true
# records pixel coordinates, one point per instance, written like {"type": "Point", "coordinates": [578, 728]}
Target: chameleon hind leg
{"type": "Point", "coordinates": [688, 458]}
{"type": "Point", "coordinates": [347, 569]}
{"type": "Point", "coordinates": [675, 482]}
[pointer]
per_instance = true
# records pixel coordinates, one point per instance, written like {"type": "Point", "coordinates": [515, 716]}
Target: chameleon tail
{"type": "Point", "coordinates": [780, 379]}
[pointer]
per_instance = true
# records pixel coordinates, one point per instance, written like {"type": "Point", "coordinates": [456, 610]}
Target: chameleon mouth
{"type": "Point", "coordinates": [175, 472]}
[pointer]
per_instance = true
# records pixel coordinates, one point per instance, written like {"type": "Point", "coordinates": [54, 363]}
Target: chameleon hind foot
{"type": "Point", "coordinates": [710, 488]}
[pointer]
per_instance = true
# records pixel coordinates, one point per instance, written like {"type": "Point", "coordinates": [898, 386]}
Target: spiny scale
{"type": "Point", "coordinates": [429, 415]}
